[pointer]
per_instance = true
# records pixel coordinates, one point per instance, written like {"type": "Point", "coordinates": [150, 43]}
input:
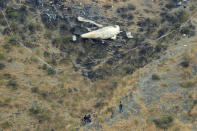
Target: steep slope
{"type": "Point", "coordinates": [52, 82]}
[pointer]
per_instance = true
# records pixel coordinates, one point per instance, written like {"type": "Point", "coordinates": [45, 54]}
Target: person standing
{"type": "Point", "coordinates": [120, 107]}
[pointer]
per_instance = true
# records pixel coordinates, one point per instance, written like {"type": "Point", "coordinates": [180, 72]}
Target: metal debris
{"type": "Point", "coordinates": [81, 19]}
{"type": "Point", "coordinates": [103, 33]}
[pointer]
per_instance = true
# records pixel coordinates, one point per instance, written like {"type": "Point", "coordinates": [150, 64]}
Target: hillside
{"type": "Point", "coordinates": [50, 77]}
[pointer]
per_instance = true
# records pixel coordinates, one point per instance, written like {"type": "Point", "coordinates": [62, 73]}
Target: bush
{"type": "Point", "coordinates": [186, 61]}
{"type": "Point", "coordinates": [2, 66]}
{"type": "Point", "coordinates": [7, 46]}
{"type": "Point", "coordinates": [187, 84]}
{"type": "Point", "coordinates": [12, 14]}
{"type": "Point", "coordinates": [131, 7]}
{"type": "Point", "coordinates": [40, 113]}
{"type": "Point", "coordinates": [33, 27]}
{"type": "Point", "coordinates": [46, 54]}
{"type": "Point", "coordinates": [35, 90]}
{"type": "Point", "coordinates": [2, 57]}
{"type": "Point", "coordinates": [58, 41]}
{"type": "Point", "coordinates": [51, 71]}
{"type": "Point", "coordinates": [53, 62]}
{"type": "Point", "coordinates": [164, 122]}
{"type": "Point", "coordinates": [188, 30]}
{"type": "Point", "coordinates": [13, 41]}
{"type": "Point", "coordinates": [13, 84]}
{"type": "Point", "coordinates": [155, 77]}
{"type": "Point", "coordinates": [6, 125]}
{"type": "Point", "coordinates": [185, 64]}
{"type": "Point", "coordinates": [44, 67]}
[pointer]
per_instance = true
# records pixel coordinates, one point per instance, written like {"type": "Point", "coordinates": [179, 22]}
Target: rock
{"type": "Point", "coordinates": [103, 33]}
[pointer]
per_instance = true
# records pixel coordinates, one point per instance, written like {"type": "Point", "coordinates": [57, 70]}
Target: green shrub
{"type": "Point", "coordinates": [44, 67]}
{"type": "Point", "coordinates": [186, 62]}
{"type": "Point", "coordinates": [7, 46]}
{"type": "Point", "coordinates": [35, 110]}
{"type": "Point", "coordinates": [3, 22]}
{"type": "Point", "coordinates": [2, 66]}
{"type": "Point", "coordinates": [33, 27]}
{"type": "Point", "coordinates": [187, 84]}
{"type": "Point", "coordinates": [164, 122]}
{"type": "Point", "coordinates": [12, 15]}
{"type": "Point", "coordinates": [13, 84]}
{"type": "Point", "coordinates": [2, 57]}
{"type": "Point", "coordinates": [6, 125]}
{"type": "Point", "coordinates": [40, 113]}
{"type": "Point", "coordinates": [58, 41]}
{"type": "Point", "coordinates": [53, 62]}
{"type": "Point", "coordinates": [44, 94]}
{"type": "Point", "coordinates": [35, 90]}
{"type": "Point", "coordinates": [51, 71]}
{"type": "Point", "coordinates": [46, 54]}
{"type": "Point", "coordinates": [131, 7]}
{"type": "Point", "coordinates": [155, 77]}
{"type": "Point", "coordinates": [13, 41]}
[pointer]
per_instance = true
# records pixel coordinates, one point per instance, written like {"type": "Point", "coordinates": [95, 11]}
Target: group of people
{"type": "Point", "coordinates": [87, 118]}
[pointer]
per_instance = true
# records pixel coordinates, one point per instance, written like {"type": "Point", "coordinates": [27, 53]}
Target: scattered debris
{"type": "Point", "coordinates": [103, 33]}
{"type": "Point", "coordinates": [179, 4]}
{"type": "Point", "coordinates": [129, 35]}
{"type": "Point", "coordinates": [81, 19]}
{"type": "Point", "coordinates": [74, 38]}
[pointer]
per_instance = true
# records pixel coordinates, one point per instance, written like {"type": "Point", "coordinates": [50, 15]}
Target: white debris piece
{"type": "Point", "coordinates": [81, 19]}
{"type": "Point", "coordinates": [129, 35]}
{"type": "Point", "coordinates": [103, 33]}
{"type": "Point", "coordinates": [74, 38]}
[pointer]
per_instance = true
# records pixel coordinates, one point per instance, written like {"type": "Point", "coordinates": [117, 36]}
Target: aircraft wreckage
{"type": "Point", "coordinates": [103, 33]}
{"type": "Point", "coordinates": [108, 32]}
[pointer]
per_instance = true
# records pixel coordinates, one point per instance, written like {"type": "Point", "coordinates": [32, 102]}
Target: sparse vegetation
{"type": "Point", "coordinates": [187, 84]}
{"type": "Point", "coordinates": [40, 113]}
{"type": "Point", "coordinates": [6, 125]}
{"type": "Point", "coordinates": [164, 122]}
{"type": "Point", "coordinates": [51, 71]}
{"type": "Point", "coordinates": [34, 89]}
{"type": "Point", "coordinates": [94, 75]}
{"type": "Point", "coordinates": [155, 77]}
{"type": "Point", "coordinates": [13, 84]}
{"type": "Point", "coordinates": [2, 56]}
{"type": "Point", "coordinates": [2, 66]}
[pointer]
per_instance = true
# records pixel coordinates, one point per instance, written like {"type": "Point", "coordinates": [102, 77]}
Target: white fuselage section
{"type": "Point", "coordinates": [103, 33]}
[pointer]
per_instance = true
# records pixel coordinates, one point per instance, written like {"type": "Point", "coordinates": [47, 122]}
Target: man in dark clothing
{"type": "Point", "coordinates": [120, 107]}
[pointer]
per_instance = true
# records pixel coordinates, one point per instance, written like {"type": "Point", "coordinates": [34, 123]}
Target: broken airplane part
{"type": "Point", "coordinates": [81, 19]}
{"type": "Point", "coordinates": [103, 33]}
